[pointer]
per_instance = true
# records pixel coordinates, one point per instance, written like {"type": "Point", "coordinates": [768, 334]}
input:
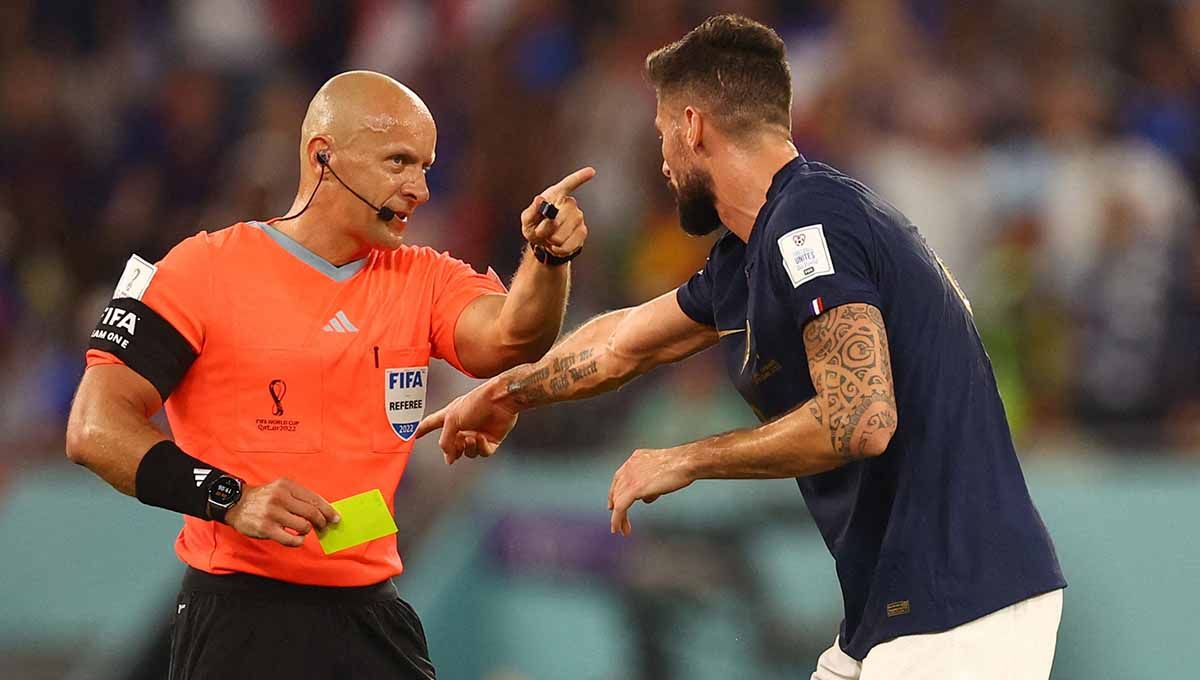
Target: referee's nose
{"type": "Point", "coordinates": [417, 191]}
{"type": "Point", "coordinates": [666, 170]}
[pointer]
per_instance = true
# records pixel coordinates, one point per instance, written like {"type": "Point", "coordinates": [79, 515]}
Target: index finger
{"type": "Point", "coordinates": [431, 422]}
{"type": "Point", "coordinates": [301, 507]}
{"type": "Point", "coordinates": [569, 184]}
{"type": "Point", "coordinates": [619, 513]}
{"type": "Point", "coordinates": [321, 504]}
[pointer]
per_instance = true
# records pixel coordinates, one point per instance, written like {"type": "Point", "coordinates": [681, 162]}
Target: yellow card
{"type": "Point", "coordinates": [365, 517]}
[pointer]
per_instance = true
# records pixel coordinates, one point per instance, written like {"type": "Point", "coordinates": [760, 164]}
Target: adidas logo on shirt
{"type": "Point", "coordinates": [200, 474]}
{"type": "Point", "coordinates": [340, 324]}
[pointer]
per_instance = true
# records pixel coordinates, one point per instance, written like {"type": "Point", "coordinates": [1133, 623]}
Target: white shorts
{"type": "Point", "coordinates": [1016, 643]}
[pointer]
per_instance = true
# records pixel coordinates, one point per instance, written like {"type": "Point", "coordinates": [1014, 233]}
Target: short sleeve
{"type": "Point", "coordinates": [156, 320]}
{"type": "Point", "coordinates": [456, 285]}
{"type": "Point", "coordinates": [695, 297]}
{"type": "Point", "coordinates": [822, 255]}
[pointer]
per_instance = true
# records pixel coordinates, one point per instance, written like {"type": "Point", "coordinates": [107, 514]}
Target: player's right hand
{"type": "Point", "coordinates": [472, 425]}
{"type": "Point", "coordinates": [266, 511]}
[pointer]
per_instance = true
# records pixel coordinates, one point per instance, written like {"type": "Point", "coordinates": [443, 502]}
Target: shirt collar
{"type": "Point", "coordinates": [780, 180]}
{"type": "Point", "coordinates": [340, 274]}
{"type": "Point", "coordinates": [782, 176]}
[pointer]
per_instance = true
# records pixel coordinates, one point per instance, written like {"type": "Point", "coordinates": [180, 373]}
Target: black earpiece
{"type": "Point", "coordinates": [383, 212]}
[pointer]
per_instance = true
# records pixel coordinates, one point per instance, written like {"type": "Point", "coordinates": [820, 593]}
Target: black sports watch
{"type": "Point", "coordinates": [223, 493]}
{"type": "Point", "coordinates": [547, 258]}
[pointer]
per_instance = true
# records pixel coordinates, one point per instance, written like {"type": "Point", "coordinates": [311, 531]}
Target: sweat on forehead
{"type": "Point", "coordinates": [362, 101]}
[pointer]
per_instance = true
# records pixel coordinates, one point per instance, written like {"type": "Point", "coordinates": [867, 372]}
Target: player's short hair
{"type": "Point", "coordinates": [735, 65]}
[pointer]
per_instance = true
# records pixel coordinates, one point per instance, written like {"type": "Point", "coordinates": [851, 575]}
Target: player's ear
{"type": "Point", "coordinates": [694, 134]}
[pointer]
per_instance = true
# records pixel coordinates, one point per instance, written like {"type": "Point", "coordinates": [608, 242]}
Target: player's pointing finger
{"type": "Point", "coordinates": [568, 184]}
{"type": "Point", "coordinates": [431, 422]}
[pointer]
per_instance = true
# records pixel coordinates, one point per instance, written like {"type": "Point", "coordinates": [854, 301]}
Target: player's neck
{"type": "Point", "coordinates": [741, 182]}
{"type": "Point", "coordinates": [318, 232]}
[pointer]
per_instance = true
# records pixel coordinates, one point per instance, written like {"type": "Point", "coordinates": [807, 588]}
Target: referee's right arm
{"type": "Point", "coordinates": [110, 433]}
{"type": "Point", "coordinates": [145, 342]}
{"type": "Point", "coordinates": [109, 429]}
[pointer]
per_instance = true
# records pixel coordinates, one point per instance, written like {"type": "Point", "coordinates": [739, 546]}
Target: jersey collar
{"type": "Point", "coordinates": [308, 257]}
{"type": "Point", "coordinates": [781, 179]}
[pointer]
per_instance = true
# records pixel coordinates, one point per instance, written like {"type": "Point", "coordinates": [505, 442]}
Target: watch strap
{"type": "Point", "coordinates": [549, 259]}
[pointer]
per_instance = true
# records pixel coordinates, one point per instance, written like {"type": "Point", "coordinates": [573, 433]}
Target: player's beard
{"type": "Point", "coordinates": [697, 203]}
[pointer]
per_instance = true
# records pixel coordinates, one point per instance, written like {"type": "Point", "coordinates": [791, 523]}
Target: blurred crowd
{"type": "Point", "coordinates": [1049, 150]}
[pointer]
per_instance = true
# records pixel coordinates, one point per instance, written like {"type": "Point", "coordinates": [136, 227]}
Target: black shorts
{"type": "Point", "coordinates": [243, 626]}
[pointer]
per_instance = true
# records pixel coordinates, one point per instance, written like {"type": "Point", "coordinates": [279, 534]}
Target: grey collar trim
{"type": "Point", "coordinates": [308, 257]}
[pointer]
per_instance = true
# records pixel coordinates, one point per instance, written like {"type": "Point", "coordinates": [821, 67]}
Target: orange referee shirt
{"type": "Point", "coordinates": [303, 370]}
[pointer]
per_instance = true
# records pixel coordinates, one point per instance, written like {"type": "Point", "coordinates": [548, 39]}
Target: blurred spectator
{"type": "Point", "coordinates": [931, 168]}
{"type": "Point", "coordinates": [1125, 371]}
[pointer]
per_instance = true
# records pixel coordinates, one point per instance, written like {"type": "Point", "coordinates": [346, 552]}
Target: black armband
{"type": "Point", "coordinates": [144, 341]}
{"type": "Point", "coordinates": [171, 479]}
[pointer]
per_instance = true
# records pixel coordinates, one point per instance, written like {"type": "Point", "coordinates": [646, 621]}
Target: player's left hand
{"type": "Point", "coordinates": [648, 474]}
{"type": "Point", "coordinates": [565, 233]}
{"type": "Point", "coordinates": [471, 426]}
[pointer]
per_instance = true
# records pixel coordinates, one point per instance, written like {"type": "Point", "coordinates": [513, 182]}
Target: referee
{"type": "Point", "coordinates": [291, 356]}
{"type": "Point", "coordinates": [852, 343]}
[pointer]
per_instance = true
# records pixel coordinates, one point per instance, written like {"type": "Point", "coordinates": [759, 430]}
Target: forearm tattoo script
{"type": "Point", "coordinates": [549, 380]}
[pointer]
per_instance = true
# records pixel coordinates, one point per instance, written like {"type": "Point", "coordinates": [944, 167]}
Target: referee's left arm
{"type": "Point", "coordinates": [497, 332]}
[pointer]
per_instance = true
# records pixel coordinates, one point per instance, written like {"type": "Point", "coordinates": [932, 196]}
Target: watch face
{"type": "Point", "coordinates": [225, 491]}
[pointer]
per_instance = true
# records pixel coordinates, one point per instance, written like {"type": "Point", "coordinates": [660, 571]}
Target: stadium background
{"type": "Point", "coordinates": [1048, 149]}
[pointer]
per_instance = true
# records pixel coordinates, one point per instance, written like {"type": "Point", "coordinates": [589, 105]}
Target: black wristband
{"type": "Point", "coordinates": [171, 479]}
{"type": "Point", "coordinates": [545, 257]}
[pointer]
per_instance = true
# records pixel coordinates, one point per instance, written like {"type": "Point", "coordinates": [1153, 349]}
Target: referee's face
{"type": "Point", "coordinates": [389, 157]}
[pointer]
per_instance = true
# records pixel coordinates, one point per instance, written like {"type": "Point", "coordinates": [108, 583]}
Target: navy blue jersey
{"type": "Point", "coordinates": [939, 529]}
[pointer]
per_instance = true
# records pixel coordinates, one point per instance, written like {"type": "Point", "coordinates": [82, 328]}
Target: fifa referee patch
{"type": "Point", "coordinates": [805, 254]}
{"type": "Point", "coordinates": [404, 397]}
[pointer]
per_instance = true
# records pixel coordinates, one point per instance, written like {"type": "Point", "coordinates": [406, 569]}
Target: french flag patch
{"type": "Point", "coordinates": [818, 306]}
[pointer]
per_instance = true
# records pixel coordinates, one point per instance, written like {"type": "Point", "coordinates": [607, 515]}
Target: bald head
{"type": "Point", "coordinates": [357, 102]}
{"type": "Point", "coordinates": [376, 136]}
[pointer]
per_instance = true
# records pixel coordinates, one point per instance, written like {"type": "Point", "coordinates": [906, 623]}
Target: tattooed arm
{"type": "Point", "coordinates": [602, 355]}
{"type": "Point", "coordinates": [853, 416]}
{"type": "Point", "coordinates": [851, 369]}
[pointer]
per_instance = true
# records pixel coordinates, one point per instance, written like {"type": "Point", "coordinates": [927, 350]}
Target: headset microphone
{"type": "Point", "coordinates": [382, 212]}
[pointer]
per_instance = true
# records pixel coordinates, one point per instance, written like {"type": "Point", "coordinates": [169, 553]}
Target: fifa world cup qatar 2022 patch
{"type": "Point", "coordinates": [135, 279]}
{"type": "Point", "coordinates": [139, 336]}
{"type": "Point", "coordinates": [404, 397]}
{"type": "Point", "coordinates": [805, 254]}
